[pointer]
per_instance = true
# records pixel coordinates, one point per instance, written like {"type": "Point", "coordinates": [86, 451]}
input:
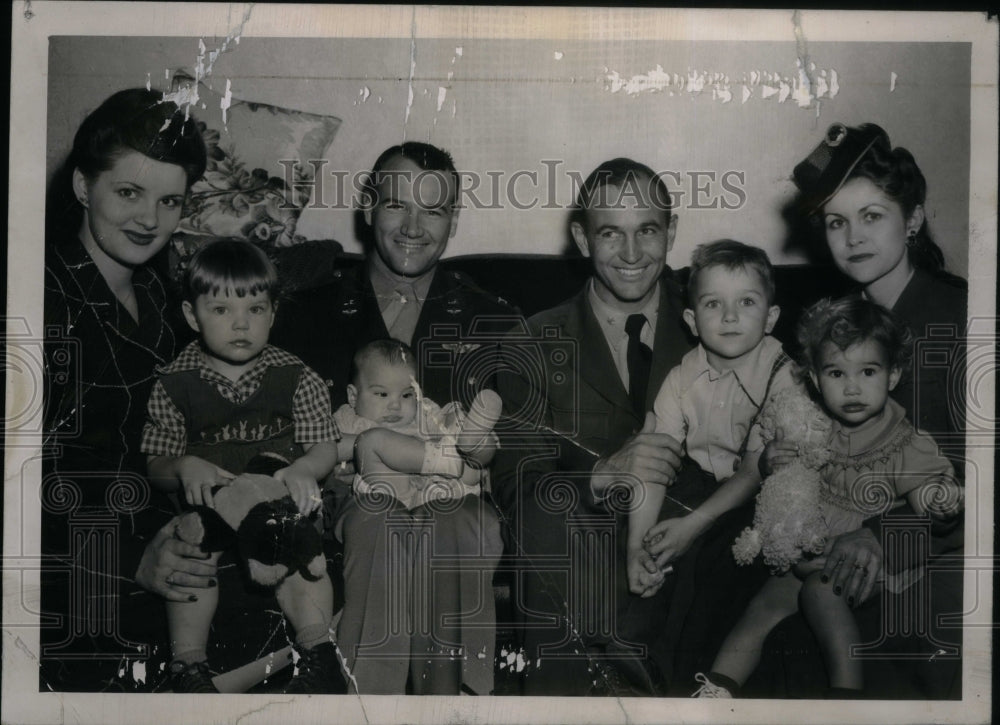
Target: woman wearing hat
{"type": "Point", "coordinates": [869, 199]}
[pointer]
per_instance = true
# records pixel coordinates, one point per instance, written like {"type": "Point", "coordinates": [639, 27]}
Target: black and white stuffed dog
{"type": "Point", "coordinates": [256, 511]}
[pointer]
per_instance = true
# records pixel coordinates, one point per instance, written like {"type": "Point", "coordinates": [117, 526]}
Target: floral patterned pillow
{"type": "Point", "coordinates": [246, 191]}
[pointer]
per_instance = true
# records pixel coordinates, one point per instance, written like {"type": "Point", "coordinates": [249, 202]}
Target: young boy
{"type": "Point", "coordinates": [227, 398]}
{"type": "Point", "coordinates": [711, 402]}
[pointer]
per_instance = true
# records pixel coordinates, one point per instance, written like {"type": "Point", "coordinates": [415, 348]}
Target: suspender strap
{"type": "Point", "coordinates": [779, 362]}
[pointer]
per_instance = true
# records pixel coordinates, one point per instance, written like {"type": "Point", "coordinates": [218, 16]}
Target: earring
{"type": "Point", "coordinates": [911, 238]}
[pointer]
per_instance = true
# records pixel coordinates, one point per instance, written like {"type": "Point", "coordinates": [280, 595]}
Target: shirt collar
{"type": "Point", "coordinates": [612, 319]}
{"type": "Point", "coordinates": [192, 357]}
{"type": "Point", "coordinates": [386, 282]}
{"type": "Point", "coordinates": [872, 432]}
{"type": "Point", "coordinates": [752, 373]}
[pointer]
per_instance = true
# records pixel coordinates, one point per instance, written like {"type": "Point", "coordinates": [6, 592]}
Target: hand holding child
{"type": "Point", "coordinates": [198, 477]}
{"type": "Point", "coordinates": [169, 566]}
{"type": "Point", "coordinates": [853, 564]}
{"type": "Point", "coordinates": [648, 456]}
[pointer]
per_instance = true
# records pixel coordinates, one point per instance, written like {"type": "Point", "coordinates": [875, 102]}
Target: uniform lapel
{"type": "Point", "coordinates": [669, 343]}
{"type": "Point", "coordinates": [597, 368]}
{"type": "Point", "coordinates": [371, 324]}
{"type": "Point", "coordinates": [432, 311]}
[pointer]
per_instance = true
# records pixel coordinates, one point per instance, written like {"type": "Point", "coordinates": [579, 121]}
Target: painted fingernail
{"type": "Point", "coordinates": [837, 590]}
{"type": "Point", "coordinates": [212, 582]}
{"type": "Point", "coordinates": [192, 598]}
{"type": "Point", "coordinates": [825, 579]}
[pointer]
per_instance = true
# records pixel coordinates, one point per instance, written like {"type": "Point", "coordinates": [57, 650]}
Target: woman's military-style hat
{"type": "Point", "coordinates": [825, 170]}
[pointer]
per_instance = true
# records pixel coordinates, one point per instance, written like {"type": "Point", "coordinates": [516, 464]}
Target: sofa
{"type": "Point", "coordinates": [791, 666]}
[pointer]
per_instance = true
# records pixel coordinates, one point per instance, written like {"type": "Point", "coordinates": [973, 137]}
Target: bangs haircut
{"type": "Point", "coordinates": [847, 322]}
{"type": "Point", "coordinates": [733, 256]}
{"type": "Point", "coordinates": [233, 267]}
{"type": "Point", "coordinates": [388, 351]}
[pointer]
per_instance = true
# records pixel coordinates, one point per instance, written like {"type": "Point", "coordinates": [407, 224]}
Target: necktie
{"type": "Point", "coordinates": [403, 327]}
{"type": "Point", "coordinates": [639, 359]}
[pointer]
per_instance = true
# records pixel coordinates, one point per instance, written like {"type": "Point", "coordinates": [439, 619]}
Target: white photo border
{"type": "Point", "coordinates": [33, 23]}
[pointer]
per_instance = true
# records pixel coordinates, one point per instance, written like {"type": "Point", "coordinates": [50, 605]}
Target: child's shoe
{"type": "Point", "coordinates": [318, 672]}
{"type": "Point", "coordinates": [709, 689]}
{"type": "Point", "coordinates": [193, 677]}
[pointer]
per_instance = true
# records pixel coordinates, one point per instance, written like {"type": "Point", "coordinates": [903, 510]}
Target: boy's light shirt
{"type": "Point", "coordinates": [612, 324]}
{"type": "Point", "coordinates": [711, 410]}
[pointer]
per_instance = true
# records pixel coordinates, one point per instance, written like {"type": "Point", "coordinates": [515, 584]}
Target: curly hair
{"type": "Point", "coordinates": [852, 321]}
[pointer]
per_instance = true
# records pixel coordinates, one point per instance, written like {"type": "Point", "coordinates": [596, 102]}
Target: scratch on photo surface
{"type": "Point", "coordinates": [186, 94]}
{"type": "Point", "coordinates": [413, 69]}
{"type": "Point", "coordinates": [262, 708]}
{"type": "Point", "coordinates": [804, 95]}
{"type": "Point", "coordinates": [19, 643]}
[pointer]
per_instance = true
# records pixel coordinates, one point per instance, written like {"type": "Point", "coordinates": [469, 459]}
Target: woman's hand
{"type": "Point", "coordinates": [853, 565]}
{"type": "Point", "coordinates": [169, 564]}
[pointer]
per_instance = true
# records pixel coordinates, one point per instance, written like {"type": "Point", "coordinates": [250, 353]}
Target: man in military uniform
{"type": "Point", "coordinates": [400, 291]}
{"type": "Point", "coordinates": [453, 327]}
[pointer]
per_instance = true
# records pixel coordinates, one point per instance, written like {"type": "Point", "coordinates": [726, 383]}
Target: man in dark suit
{"type": "Point", "coordinates": [584, 436]}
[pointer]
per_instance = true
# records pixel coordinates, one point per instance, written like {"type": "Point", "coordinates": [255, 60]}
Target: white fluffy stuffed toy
{"type": "Point", "coordinates": [787, 522]}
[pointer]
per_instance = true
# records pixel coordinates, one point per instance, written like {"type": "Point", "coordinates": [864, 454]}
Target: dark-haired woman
{"type": "Point", "coordinates": [119, 201]}
{"type": "Point", "coordinates": [870, 200]}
